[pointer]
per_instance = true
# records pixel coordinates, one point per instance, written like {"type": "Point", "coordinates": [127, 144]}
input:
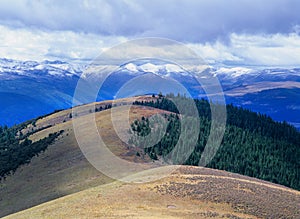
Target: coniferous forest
{"type": "Point", "coordinates": [253, 144]}
{"type": "Point", "coordinates": [17, 149]}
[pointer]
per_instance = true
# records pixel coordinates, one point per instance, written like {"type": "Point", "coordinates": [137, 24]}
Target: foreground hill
{"type": "Point", "coordinates": [189, 192]}
{"type": "Point", "coordinates": [63, 170]}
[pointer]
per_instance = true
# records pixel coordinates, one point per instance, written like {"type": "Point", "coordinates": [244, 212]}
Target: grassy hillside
{"type": "Point", "coordinates": [60, 169]}
{"type": "Point", "coordinates": [189, 192]}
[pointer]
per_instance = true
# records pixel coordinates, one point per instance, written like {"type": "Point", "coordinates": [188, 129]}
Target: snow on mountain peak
{"type": "Point", "coordinates": [149, 67]}
{"type": "Point", "coordinates": [173, 68]}
{"type": "Point", "coordinates": [234, 72]}
{"type": "Point", "coordinates": [155, 68]}
{"type": "Point", "coordinates": [11, 67]}
{"type": "Point", "coordinates": [131, 67]}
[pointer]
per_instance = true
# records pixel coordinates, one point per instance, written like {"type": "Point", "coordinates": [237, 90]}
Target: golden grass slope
{"type": "Point", "coordinates": [62, 169]}
{"type": "Point", "coordinates": [189, 192]}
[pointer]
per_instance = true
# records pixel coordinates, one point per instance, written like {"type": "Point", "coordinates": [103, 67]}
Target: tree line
{"type": "Point", "coordinates": [253, 143]}
{"type": "Point", "coordinates": [16, 150]}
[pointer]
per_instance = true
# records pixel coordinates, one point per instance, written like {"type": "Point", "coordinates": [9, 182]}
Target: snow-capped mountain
{"type": "Point", "coordinates": [29, 88]}
{"type": "Point", "coordinates": [156, 74]}
{"type": "Point", "coordinates": [148, 67]}
{"type": "Point", "coordinates": [274, 91]}
{"type": "Point", "coordinates": [162, 69]}
{"type": "Point", "coordinates": [273, 74]}
{"type": "Point", "coordinates": [11, 68]}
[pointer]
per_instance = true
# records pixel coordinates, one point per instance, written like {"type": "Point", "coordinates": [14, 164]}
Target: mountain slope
{"type": "Point", "coordinates": [252, 145]}
{"type": "Point", "coordinates": [30, 89]}
{"type": "Point", "coordinates": [189, 192]}
{"type": "Point", "coordinates": [62, 169]}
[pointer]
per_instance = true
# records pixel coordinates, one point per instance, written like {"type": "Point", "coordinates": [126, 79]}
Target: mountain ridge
{"type": "Point", "coordinates": [58, 80]}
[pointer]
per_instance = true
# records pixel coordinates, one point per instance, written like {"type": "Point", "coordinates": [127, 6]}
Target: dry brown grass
{"type": "Point", "coordinates": [64, 116]}
{"type": "Point", "coordinates": [62, 169]}
{"type": "Point", "coordinates": [189, 192]}
{"type": "Point", "coordinates": [244, 194]}
{"type": "Point", "coordinates": [125, 201]}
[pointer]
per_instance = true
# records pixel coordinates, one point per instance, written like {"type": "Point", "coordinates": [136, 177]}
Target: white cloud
{"type": "Point", "coordinates": [243, 49]}
{"type": "Point", "coordinates": [275, 50]}
{"type": "Point", "coordinates": [193, 21]}
{"type": "Point", "coordinates": [33, 44]}
{"type": "Point", "coordinates": [215, 52]}
{"type": "Point", "coordinates": [235, 31]}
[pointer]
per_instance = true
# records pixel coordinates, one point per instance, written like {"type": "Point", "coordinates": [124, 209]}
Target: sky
{"type": "Point", "coordinates": [241, 32]}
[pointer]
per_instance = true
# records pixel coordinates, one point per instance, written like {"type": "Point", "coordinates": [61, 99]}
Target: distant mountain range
{"type": "Point", "coordinates": [29, 88]}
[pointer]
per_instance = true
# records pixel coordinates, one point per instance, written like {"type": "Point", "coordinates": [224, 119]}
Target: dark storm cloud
{"type": "Point", "coordinates": [184, 20]}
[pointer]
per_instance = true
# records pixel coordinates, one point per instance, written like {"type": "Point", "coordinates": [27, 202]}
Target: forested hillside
{"type": "Point", "coordinates": [16, 149]}
{"type": "Point", "coordinates": [253, 144]}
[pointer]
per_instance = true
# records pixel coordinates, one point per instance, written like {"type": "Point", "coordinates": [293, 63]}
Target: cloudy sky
{"type": "Point", "coordinates": [252, 32]}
